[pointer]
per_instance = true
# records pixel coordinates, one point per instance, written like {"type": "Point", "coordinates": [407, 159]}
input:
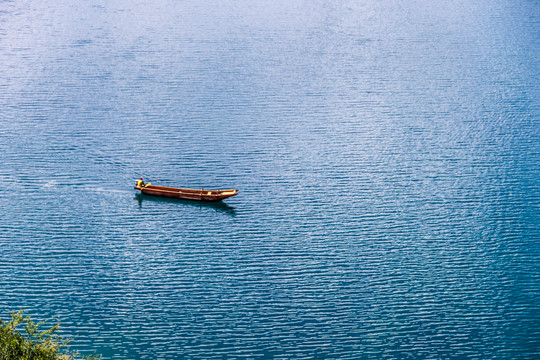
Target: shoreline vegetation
{"type": "Point", "coordinates": [32, 343]}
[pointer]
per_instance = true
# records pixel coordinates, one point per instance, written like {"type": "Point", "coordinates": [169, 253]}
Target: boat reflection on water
{"type": "Point", "coordinates": [219, 206]}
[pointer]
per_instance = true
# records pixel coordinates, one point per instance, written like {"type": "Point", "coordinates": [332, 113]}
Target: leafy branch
{"type": "Point", "coordinates": [32, 343]}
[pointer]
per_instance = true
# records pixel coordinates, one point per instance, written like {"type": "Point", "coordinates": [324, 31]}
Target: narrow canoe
{"type": "Point", "coordinates": [187, 194]}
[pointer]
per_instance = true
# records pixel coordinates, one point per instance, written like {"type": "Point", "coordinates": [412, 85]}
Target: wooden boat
{"type": "Point", "coordinates": [187, 194]}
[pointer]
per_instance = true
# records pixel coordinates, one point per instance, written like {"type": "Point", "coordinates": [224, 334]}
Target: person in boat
{"type": "Point", "coordinates": [140, 183]}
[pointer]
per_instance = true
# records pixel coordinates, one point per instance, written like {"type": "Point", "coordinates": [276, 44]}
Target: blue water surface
{"type": "Point", "coordinates": [387, 156]}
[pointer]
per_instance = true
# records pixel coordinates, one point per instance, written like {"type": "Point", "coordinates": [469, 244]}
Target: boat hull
{"type": "Point", "coordinates": [187, 194]}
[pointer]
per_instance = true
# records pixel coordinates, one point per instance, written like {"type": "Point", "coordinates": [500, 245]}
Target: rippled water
{"type": "Point", "coordinates": [387, 154]}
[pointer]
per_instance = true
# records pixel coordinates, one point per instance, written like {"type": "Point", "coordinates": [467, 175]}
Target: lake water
{"type": "Point", "coordinates": [387, 155]}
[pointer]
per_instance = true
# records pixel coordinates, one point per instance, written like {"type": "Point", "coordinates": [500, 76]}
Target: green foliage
{"type": "Point", "coordinates": [32, 343]}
